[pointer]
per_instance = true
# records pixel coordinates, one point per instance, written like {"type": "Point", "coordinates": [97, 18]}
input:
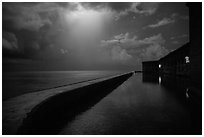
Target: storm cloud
{"type": "Point", "coordinates": [85, 35]}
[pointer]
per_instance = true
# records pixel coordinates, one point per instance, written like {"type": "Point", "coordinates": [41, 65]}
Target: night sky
{"type": "Point", "coordinates": [90, 36]}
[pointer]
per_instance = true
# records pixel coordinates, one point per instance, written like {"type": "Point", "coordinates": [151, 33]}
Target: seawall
{"type": "Point", "coordinates": [52, 112]}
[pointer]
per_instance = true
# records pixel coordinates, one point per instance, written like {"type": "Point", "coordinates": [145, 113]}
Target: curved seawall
{"type": "Point", "coordinates": [53, 112]}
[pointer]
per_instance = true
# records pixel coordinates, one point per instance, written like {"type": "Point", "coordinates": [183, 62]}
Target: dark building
{"type": "Point", "coordinates": [176, 62]}
{"type": "Point", "coordinates": [186, 60]}
{"type": "Point", "coordinates": [195, 13]}
{"type": "Point", "coordinates": [150, 66]}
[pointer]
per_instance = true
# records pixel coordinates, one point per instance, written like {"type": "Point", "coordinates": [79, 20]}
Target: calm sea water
{"type": "Point", "coordinates": [144, 104]}
{"type": "Point", "coordinates": [17, 83]}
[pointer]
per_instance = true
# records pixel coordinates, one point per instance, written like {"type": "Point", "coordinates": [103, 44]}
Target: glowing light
{"type": "Point", "coordinates": [187, 59]}
{"type": "Point", "coordinates": [159, 65]}
{"type": "Point", "coordinates": [159, 80]}
{"type": "Point", "coordinates": [187, 95]}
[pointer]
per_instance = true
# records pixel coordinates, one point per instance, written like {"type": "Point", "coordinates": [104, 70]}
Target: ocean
{"type": "Point", "coordinates": [143, 104]}
{"type": "Point", "coordinates": [17, 83]}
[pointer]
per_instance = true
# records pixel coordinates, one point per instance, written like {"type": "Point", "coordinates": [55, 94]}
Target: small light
{"type": "Point", "coordinates": [159, 65]}
{"type": "Point", "coordinates": [159, 80]}
{"type": "Point", "coordinates": [187, 59]}
{"type": "Point", "coordinates": [187, 95]}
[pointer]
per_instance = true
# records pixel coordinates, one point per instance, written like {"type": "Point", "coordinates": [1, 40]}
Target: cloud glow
{"type": "Point", "coordinates": [86, 23]}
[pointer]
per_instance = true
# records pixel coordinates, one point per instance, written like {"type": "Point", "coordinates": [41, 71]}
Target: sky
{"type": "Point", "coordinates": [90, 36]}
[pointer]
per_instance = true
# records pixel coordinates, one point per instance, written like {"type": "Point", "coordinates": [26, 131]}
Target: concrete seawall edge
{"type": "Point", "coordinates": [48, 117]}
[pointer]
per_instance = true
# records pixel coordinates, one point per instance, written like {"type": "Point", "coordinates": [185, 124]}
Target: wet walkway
{"type": "Point", "coordinates": [144, 104]}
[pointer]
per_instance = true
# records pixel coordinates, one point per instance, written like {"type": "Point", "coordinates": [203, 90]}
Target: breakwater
{"type": "Point", "coordinates": [49, 116]}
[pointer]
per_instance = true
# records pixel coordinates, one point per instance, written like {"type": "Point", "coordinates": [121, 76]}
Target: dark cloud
{"type": "Point", "coordinates": [119, 6]}
{"type": "Point", "coordinates": [147, 8]}
{"type": "Point", "coordinates": [17, 49]}
{"type": "Point", "coordinates": [94, 5]}
{"type": "Point", "coordinates": [29, 27]}
{"type": "Point", "coordinates": [115, 6]}
{"type": "Point", "coordinates": [10, 47]}
{"type": "Point", "coordinates": [9, 41]}
{"type": "Point", "coordinates": [28, 16]}
{"type": "Point", "coordinates": [82, 35]}
{"type": "Point", "coordinates": [124, 8]}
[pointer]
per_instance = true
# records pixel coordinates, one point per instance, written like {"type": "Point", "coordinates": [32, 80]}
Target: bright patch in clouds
{"type": "Point", "coordinates": [162, 22]}
{"type": "Point", "coordinates": [123, 47]}
{"type": "Point", "coordinates": [85, 23]}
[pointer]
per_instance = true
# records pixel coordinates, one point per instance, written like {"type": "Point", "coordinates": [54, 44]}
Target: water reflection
{"type": "Point", "coordinates": [187, 95]}
{"type": "Point", "coordinates": [183, 91]}
{"type": "Point", "coordinates": [159, 79]}
{"type": "Point", "coordinates": [177, 84]}
{"type": "Point", "coordinates": [144, 104]}
{"type": "Point", "coordinates": [150, 78]}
